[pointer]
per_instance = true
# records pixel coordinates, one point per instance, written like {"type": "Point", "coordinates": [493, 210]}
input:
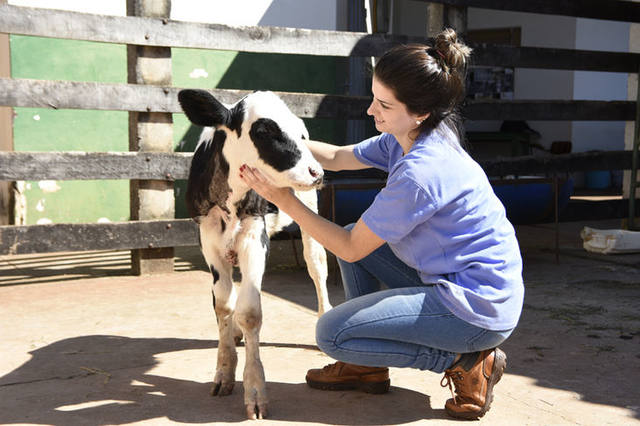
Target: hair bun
{"type": "Point", "coordinates": [454, 52]}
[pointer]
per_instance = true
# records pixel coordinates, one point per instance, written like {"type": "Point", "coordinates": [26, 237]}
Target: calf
{"type": "Point", "coordinates": [236, 223]}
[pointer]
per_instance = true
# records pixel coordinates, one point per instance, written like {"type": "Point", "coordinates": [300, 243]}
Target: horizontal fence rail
{"type": "Point", "coordinates": [132, 97]}
{"type": "Point", "coordinates": [626, 11]}
{"type": "Point", "coordinates": [94, 165]}
{"type": "Point", "coordinates": [165, 166]}
{"type": "Point", "coordinates": [97, 236]}
{"type": "Point", "coordinates": [158, 32]}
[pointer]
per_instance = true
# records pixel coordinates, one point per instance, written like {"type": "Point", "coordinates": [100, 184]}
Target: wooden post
{"type": "Point", "coordinates": [441, 16]}
{"type": "Point", "coordinates": [6, 133]}
{"type": "Point", "coordinates": [435, 19]}
{"type": "Point", "coordinates": [150, 131]}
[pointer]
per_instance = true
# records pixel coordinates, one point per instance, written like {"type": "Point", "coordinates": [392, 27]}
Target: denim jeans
{"type": "Point", "coordinates": [405, 325]}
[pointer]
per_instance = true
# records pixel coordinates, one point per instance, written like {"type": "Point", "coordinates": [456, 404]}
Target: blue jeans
{"type": "Point", "coordinates": [405, 325]}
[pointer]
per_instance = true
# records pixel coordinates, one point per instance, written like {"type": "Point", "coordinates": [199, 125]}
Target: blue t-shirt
{"type": "Point", "coordinates": [439, 215]}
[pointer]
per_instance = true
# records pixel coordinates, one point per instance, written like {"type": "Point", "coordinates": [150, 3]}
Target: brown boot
{"type": "Point", "coordinates": [343, 376]}
{"type": "Point", "coordinates": [474, 384]}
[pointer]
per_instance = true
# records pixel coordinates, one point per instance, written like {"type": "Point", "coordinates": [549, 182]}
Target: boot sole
{"type": "Point", "coordinates": [368, 387]}
{"type": "Point", "coordinates": [499, 365]}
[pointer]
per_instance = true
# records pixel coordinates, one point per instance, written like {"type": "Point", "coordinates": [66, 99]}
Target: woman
{"type": "Point", "coordinates": [436, 236]}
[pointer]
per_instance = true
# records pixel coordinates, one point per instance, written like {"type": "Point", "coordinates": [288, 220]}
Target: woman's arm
{"type": "Point", "coordinates": [335, 158]}
{"type": "Point", "coordinates": [350, 246]}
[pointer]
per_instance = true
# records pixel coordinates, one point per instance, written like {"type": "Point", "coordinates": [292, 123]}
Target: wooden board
{"type": "Point", "coordinates": [93, 165]}
{"type": "Point", "coordinates": [155, 32]}
{"type": "Point", "coordinates": [626, 11]}
{"type": "Point", "coordinates": [132, 97]}
{"type": "Point", "coordinates": [583, 161]}
{"type": "Point", "coordinates": [119, 165]}
{"type": "Point", "coordinates": [97, 236]}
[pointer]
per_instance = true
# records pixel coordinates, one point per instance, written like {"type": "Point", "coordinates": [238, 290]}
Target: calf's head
{"type": "Point", "coordinates": [260, 132]}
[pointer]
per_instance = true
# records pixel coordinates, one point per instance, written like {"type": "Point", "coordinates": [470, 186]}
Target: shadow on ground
{"type": "Point", "coordinates": [112, 384]}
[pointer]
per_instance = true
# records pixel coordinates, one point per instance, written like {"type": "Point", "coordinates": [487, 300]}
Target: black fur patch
{"type": "Point", "coordinates": [264, 238]}
{"type": "Point", "coordinates": [274, 146]}
{"type": "Point", "coordinates": [223, 225]}
{"type": "Point", "coordinates": [237, 118]}
{"type": "Point", "coordinates": [254, 205]}
{"type": "Point", "coordinates": [208, 184]}
{"type": "Point", "coordinates": [216, 274]}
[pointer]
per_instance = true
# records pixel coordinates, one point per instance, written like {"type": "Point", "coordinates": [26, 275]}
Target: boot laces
{"type": "Point", "coordinates": [452, 376]}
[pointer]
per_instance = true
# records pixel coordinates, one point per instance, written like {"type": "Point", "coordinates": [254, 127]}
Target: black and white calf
{"type": "Point", "coordinates": [236, 223]}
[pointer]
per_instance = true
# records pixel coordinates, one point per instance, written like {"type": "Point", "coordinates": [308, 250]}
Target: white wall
{"type": "Point", "coordinates": [607, 36]}
{"type": "Point", "coordinates": [310, 14]}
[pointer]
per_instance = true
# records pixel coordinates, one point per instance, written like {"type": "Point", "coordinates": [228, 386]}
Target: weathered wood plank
{"type": "Point", "coordinates": [93, 165]}
{"type": "Point", "coordinates": [97, 236]}
{"type": "Point", "coordinates": [131, 97]}
{"type": "Point", "coordinates": [169, 33]}
{"type": "Point", "coordinates": [533, 110]}
{"type": "Point", "coordinates": [583, 161]}
{"type": "Point", "coordinates": [86, 166]}
{"type": "Point", "coordinates": [147, 98]}
{"type": "Point", "coordinates": [154, 32]}
{"type": "Point", "coordinates": [615, 10]}
{"type": "Point", "coordinates": [560, 59]}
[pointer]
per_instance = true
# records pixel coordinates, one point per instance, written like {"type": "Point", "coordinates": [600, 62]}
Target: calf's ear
{"type": "Point", "coordinates": [203, 109]}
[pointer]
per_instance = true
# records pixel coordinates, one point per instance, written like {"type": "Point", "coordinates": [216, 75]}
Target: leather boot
{"type": "Point", "coordinates": [474, 384]}
{"type": "Point", "coordinates": [343, 376]}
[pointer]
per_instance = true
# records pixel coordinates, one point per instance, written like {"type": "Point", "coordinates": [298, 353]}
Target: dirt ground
{"type": "Point", "coordinates": [85, 343]}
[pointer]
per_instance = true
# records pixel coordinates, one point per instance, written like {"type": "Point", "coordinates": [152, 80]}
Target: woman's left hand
{"type": "Point", "coordinates": [263, 185]}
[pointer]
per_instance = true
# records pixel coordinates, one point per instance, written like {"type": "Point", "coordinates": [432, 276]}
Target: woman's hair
{"type": "Point", "coordinates": [428, 79]}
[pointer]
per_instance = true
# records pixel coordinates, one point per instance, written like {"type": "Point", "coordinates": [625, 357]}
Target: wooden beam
{"type": "Point", "coordinates": [154, 32]}
{"type": "Point", "coordinates": [97, 236]}
{"type": "Point", "coordinates": [93, 165]}
{"type": "Point", "coordinates": [119, 165]}
{"type": "Point", "coordinates": [547, 58]}
{"type": "Point", "coordinates": [131, 97]}
{"type": "Point", "coordinates": [550, 110]}
{"type": "Point", "coordinates": [615, 10]}
{"type": "Point", "coordinates": [584, 161]}
{"type": "Point", "coordinates": [165, 32]}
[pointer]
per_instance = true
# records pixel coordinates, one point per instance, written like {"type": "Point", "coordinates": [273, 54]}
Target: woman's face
{"type": "Point", "coordinates": [391, 115]}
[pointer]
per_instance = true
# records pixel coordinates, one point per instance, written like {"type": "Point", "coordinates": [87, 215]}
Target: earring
{"type": "Point", "coordinates": [418, 122]}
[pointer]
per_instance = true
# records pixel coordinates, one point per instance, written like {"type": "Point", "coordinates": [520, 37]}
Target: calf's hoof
{"type": "Point", "coordinates": [256, 411]}
{"type": "Point", "coordinates": [221, 388]}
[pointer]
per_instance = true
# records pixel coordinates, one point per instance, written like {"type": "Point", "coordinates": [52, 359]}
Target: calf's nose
{"type": "Point", "coordinates": [317, 175]}
{"type": "Point", "coordinates": [314, 173]}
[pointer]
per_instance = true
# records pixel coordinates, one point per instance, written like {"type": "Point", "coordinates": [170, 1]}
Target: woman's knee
{"type": "Point", "coordinates": [326, 331]}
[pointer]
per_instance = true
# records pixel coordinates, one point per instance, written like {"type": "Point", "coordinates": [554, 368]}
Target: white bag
{"type": "Point", "coordinates": [610, 241]}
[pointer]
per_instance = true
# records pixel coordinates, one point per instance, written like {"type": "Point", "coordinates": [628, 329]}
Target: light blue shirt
{"type": "Point", "coordinates": [439, 215]}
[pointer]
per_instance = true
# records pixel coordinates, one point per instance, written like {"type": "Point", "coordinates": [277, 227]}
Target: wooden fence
{"type": "Point", "coordinates": [159, 32]}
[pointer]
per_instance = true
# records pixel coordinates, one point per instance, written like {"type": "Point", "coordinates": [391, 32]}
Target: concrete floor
{"type": "Point", "coordinates": [84, 343]}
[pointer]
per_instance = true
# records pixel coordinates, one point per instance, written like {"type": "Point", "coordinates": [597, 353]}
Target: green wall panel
{"type": "Point", "coordinates": [41, 129]}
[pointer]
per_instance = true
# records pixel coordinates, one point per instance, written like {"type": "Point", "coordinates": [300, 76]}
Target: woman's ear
{"type": "Point", "coordinates": [424, 117]}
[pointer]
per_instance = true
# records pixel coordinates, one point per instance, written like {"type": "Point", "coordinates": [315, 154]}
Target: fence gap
{"type": "Point", "coordinates": [150, 132]}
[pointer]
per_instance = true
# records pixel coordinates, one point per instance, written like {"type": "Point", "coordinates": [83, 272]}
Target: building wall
{"type": "Point", "coordinates": [606, 36]}
{"type": "Point", "coordinates": [535, 84]}
{"type": "Point", "coordinates": [41, 129]}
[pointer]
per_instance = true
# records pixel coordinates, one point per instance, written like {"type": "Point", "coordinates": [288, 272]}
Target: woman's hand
{"type": "Point", "coordinates": [263, 186]}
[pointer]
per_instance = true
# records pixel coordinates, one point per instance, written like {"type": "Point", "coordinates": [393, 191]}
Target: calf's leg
{"type": "Point", "coordinates": [251, 245]}
{"type": "Point", "coordinates": [315, 257]}
{"type": "Point", "coordinates": [224, 300]}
